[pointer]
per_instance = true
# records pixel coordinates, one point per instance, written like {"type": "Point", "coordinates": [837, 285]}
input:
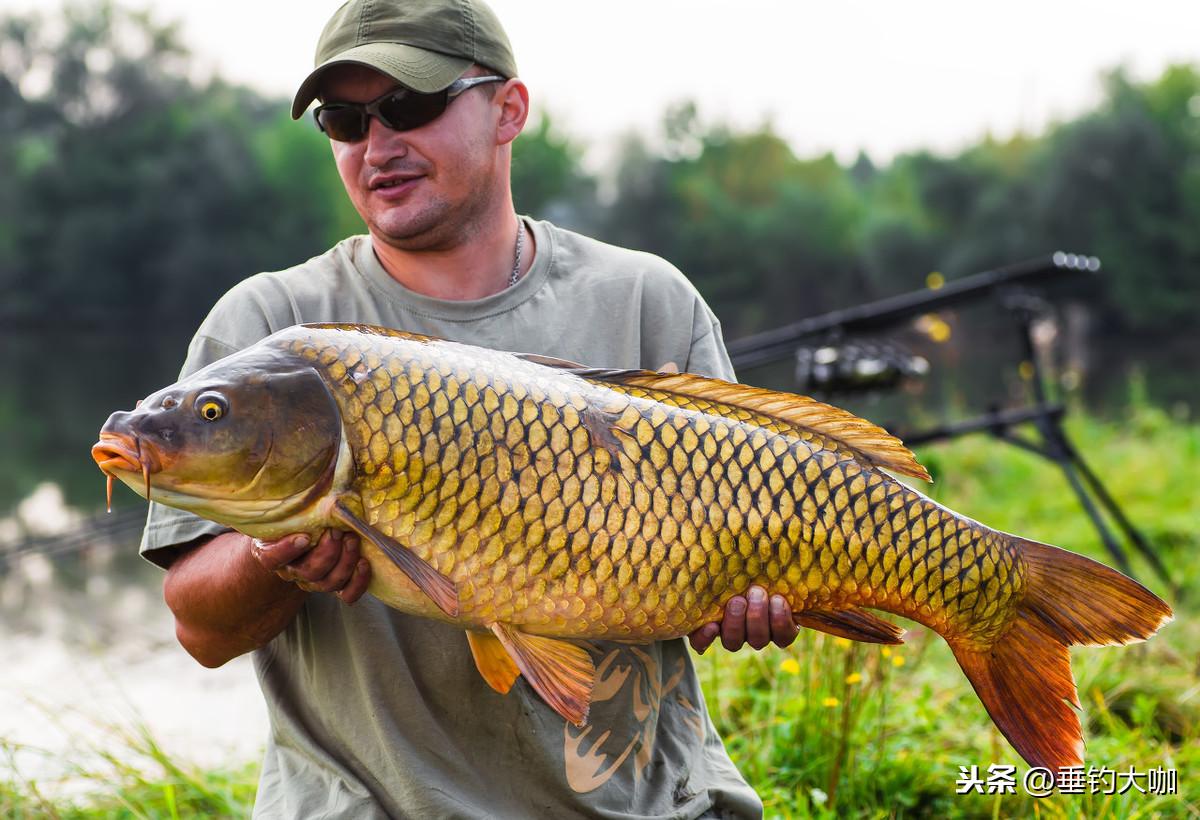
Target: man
{"type": "Point", "coordinates": [373, 712]}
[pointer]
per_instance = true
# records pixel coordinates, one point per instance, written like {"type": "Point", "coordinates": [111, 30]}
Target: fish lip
{"type": "Point", "coordinates": [115, 451]}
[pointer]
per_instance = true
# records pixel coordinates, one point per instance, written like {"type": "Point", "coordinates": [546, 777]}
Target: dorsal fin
{"type": "Point", "coordinates": [870, 441]}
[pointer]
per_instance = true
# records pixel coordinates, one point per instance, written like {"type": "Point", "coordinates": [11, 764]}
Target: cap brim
{"type": "Point", "coordinates": [415, 68]}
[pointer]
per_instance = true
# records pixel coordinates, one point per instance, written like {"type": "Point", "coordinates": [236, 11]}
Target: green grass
{"type": "Point", "coordinates": [834, 729]}
{"type": "Point", "coordinates": [132, 776]}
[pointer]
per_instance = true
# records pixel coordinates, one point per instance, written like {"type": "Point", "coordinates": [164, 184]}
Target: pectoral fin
{"type": "Point", "coordinates": [854, 624]}
{"type": "Point", "coordinates": [561, 672]}
{"type": "Point", "coordinates": [550, 361]}
{"type": "Point", "coordinates": [493, 661]}
{"type": "Point", "coordinates": [437, 586]}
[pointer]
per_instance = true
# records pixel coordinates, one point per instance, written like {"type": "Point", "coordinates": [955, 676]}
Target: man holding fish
{"type": "Point", "coordinates": [377, 713]}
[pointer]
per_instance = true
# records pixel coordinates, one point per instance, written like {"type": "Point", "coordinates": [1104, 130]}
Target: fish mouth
{"type": "Point", "coordinates": [117, 452]}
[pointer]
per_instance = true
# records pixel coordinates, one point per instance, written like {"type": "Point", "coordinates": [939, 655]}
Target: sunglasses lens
{"type": "Point", "coordinates": [342, 123]}
{"type": "Point", "coordinates": [401, 111]}
{"type": "Point", "coordinates": [406, 110]}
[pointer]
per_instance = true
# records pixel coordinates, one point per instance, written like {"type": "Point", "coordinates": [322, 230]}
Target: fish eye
{"type": "Point", "coordinates": [211, 406]}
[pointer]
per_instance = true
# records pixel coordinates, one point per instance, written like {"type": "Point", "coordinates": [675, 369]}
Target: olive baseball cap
{"type": "Point", "coordinates": [422, 44]}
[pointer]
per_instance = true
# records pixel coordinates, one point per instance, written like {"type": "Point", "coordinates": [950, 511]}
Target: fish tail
{"type": "Point", "coordinates": [1024, 678]}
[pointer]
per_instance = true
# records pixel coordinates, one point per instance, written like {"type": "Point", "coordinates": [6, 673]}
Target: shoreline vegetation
{"type": "Point", "coordinates": [831, 728]}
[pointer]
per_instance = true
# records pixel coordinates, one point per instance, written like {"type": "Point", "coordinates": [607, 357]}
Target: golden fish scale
{"type": "Point", "coordinates": [495, 478]}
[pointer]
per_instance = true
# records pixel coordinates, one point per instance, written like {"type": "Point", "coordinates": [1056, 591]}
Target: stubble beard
{"type": "Point", "coordinates": [440, 224]}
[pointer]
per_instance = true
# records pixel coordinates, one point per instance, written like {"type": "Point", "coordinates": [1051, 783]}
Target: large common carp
{"type": "Point", "coordinates": [538, 503]}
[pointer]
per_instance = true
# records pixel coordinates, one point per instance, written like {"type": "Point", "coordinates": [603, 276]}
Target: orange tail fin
{"type": "Point", "coordinates": [1024, 679]}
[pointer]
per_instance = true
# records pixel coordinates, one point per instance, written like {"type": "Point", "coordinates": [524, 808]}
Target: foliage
{"type": "Point", "coordinates": [137, 195]}
{"type": "Point", "coordinates": [133, 777]}
{"type": "Point", "coordinates": [1125, 181]}
{"type": "Point", "coordinates": [547, 176]}
{"type": "Point", "coordinates": [768, 236]}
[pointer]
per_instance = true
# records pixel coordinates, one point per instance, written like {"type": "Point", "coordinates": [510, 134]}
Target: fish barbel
{"type": "Point", "coordinates": [538, 503]}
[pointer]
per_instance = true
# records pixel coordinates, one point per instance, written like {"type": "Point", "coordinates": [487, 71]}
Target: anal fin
{"type": "Point", "coordinates": [853, 623]}
{"type": "Point", "coordinates": [493, 661]}
{"type": "Point", "coordinates": [560, 671]}
{"type": "Point", "coordinates": [433, 583]}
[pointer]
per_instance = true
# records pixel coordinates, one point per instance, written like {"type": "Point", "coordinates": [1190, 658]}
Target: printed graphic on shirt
{"type": "Point", "coordinates": [593, 754]}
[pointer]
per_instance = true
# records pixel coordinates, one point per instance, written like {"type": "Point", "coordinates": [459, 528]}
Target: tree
{"type": "Point", "coordinates": [137, 196]}
{"type": "Point", "coordinates": [1123, 181]}
{"type": "Point", "coordinates": [548, 179]}
{"type": "Point", "coordinates": [765, 236]}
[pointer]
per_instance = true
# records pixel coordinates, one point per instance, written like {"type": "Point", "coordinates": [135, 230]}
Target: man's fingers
{"type": "Point", "coordinates": [758, 621]}
{"type": "Point", "coordinates": [339, 574]}
{"type": "Point", "coordinates": [733, 624]}
{"type": "Point", "coordinates": [357, 584]}
{"type": "Point", "coordinates": [274, 555]}
{"type": "Point", "coordinates": [318, 562]}
{"type": "Point", "coordinates": [703, 637]}
{"type": "Point", "coordinates": [783, 629]}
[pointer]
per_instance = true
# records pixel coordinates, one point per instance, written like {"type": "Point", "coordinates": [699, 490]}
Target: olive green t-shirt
{"type": "Point", "coordinates": [375, 713]}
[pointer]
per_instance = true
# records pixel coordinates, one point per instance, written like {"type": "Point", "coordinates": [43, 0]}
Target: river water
{"type": "Point", "coordinates": [93, 658]}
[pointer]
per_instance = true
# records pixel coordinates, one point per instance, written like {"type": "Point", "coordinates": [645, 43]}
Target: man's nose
{"type": "Point", "coordinates": [383, 143]}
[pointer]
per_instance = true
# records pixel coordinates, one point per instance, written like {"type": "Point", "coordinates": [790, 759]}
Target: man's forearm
{"type": "Point", "coordinates": [225, 602]}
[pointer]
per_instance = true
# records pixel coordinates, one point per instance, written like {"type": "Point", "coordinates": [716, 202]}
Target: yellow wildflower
{"type": "Point", "coordinates": [842, 642]}
{"type": "Point", "coordinates": [790, 666]}
{"type": "Point", "coordinates": [886, 652]}
{"type": "Point", "coordinates": [830, 702]}
{"type": "Point", "coordinates": [898, 660]}
{"type": "Point", "coordinates": [853, 677]}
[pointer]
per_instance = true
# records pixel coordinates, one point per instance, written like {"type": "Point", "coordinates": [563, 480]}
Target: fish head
{"type": "Point", "coordinates": [241, 442]}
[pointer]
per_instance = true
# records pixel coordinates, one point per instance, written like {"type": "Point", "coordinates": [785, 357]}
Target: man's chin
{"type": "Point", "coordinates": [409, 232]}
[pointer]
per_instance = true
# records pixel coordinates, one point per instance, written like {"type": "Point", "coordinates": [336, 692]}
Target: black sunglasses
{"type": "Point", "coordinates": [400, 109]}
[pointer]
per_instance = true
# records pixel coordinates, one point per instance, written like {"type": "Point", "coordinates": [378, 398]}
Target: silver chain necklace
{"type": "Point", "coordinates": [516, 271]}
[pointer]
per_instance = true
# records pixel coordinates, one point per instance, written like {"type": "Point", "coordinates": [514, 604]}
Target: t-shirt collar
{"type": "Point", "coordinates": [368, 264]}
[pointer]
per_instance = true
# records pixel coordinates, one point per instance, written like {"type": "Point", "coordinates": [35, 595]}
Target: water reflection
{"type": "Point", "coordinates": [56, 389]}
{"type": "Point", "coordinates": [92, 647]}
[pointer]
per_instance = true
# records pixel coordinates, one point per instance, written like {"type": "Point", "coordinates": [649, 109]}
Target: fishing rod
{"type": "Point", "coordinates": [771, 345]}
{"type": "Point", "coordinates": [117, 528]}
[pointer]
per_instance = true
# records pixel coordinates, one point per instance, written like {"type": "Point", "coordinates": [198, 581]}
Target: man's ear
{"type": "Point", "coordinates": [513, 98]}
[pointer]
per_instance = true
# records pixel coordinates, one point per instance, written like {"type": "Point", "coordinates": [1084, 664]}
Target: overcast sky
{"type": "Point", "coordinates": [881, 76]}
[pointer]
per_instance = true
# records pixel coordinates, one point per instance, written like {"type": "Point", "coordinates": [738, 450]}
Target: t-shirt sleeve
{"type": "Point", "coordinates": [249, 312]}
{"type": "Point", "coordinates": [707, 355]}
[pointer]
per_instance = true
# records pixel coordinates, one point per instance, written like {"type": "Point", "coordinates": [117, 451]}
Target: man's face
{"type": "Point", "coordinates": [423, 189]}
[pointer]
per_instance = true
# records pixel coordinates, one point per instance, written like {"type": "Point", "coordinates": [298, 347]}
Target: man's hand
{"type": "Point", "coordinates": [334, 565]}
{"type": "Point", "coordinates": [751, 619]}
